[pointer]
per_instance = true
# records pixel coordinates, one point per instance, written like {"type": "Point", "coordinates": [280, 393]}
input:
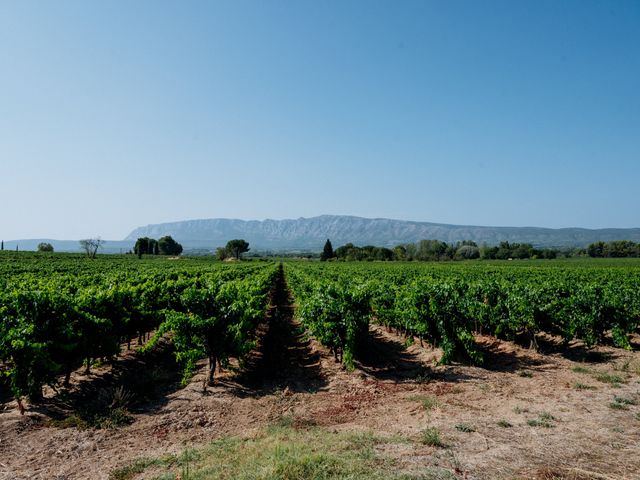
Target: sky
{"type": "Point", "coordinates": [119, 114]}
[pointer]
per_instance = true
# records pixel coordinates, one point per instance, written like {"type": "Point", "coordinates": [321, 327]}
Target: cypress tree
{"type": "Point", "coordinates": [327, 251]}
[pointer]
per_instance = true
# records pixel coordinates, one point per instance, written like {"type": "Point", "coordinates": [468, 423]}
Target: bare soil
{"type": "Point", "coordinates": [523, 415]}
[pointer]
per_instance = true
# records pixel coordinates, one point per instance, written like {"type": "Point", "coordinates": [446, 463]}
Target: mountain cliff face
{"type": "Point", "coordinates": [311, 233]}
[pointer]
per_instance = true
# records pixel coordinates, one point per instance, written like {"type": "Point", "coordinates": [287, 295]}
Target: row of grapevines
{"type": "Point", "coordinates": [336, 305]}
{"type": "Point", "coordinates": [431, 311]}
{"type": "Point", "coordinates": [217, 320]}
{"type": "Point", "coordinates": [335, 312]}
{"type": "Point", "coordinates": [447, 305]}
{"type": "Point", "coordinates": [50, 325]}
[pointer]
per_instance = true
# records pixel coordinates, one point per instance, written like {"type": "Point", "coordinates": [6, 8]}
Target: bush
{"type": "Point", "coordinates": [45, 247]}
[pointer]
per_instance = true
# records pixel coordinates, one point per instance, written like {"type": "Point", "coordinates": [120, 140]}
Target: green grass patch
{"type": "Point", "coordinates": [544, 420]}
{"type": "Point", "coordinates": [286, 453]}
{"type": "Point", "coordinates": [524, 373]}
{"type": "Point", "coordinates": [611, 378]}
{"type": "Point", "coordinates": [431, 437]}
{"type": "Point", "coordinates": [504, 424]}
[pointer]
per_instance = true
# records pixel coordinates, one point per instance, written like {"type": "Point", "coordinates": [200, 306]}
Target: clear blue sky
{"type": "Point", "coordinates": [117, 114]}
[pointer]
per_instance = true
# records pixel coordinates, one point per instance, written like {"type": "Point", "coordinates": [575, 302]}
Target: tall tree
{"type": "Point", "coordinates": [168, 246]}
{"type": "Point", "coordinates": [142, 246]}
{"type": "Point", "coordinates": [91, 246]}
{"type": "Point", "coordinates": [327, 251]}
{"type": "Point", "coordinates": [237, 247]}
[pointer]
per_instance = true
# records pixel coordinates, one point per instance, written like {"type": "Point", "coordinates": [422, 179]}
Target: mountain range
{"type": "Point", "coordinates": [310, 234]}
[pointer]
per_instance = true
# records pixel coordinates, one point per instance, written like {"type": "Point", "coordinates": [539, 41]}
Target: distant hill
{"type": "Point", "coordinates": [110, 246]}
{"type": "Point", "coordinates": [311, 233]}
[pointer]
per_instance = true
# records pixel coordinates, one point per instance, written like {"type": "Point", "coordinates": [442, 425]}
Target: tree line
{"type": "Point", "coordinates": [615, 249]}
{"type": "Point", "coordinates": [150, 246]}
{"type": "Point", "coordinates": [437, 250]}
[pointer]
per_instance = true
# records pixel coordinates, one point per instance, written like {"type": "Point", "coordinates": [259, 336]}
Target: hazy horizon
{"type": "Point", "coordinates": [124, 238]}
{"type": "Point", "coordinates": [119, 115]}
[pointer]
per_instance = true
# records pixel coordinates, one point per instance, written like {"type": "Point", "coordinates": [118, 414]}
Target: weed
{"type": "Point", "coordinates": [109, 418]}
{"type": "Point", "coordinates": [623, 367]}
{"type": "Point", "coordinates": [583, 386]}
{"type": "Point", "coordinates": [524, 373]}
{"type": "Point", "coordinates": [504, 424]}
{"type": "Point", "coordinates": [431, 437]}
{"type": "Point", "coordinates": [72, 421]}
{"type": "Point", "coordinates": [625, 400]}
{"type": "Point", "coordinates": [132, 470]}
{"type": "Point", "coordinates": [185, 461]}
{"type": "Point", "coordinates": [544, 420]}
{"type": "Point", "coordinates": [108, 409]}
{"type": "Point", "coordinates": [465, 427]}
{"type": "Point", "coordinates": [423, 376]}
{"type": "Point", "coordinates": [579, 369]}
{"type": "Point", "coordinates": [536, 422]}
{"type": "Point", "coordinates": [428, 402]}
{"type": "Point", "coordinates": [618, 406]}
{"type": "Point", "coordinates": [546, 416]}
{"type": "Point", "coordinates": [119, 397]}
{"type": "Point", "coordinates": [611, 378]}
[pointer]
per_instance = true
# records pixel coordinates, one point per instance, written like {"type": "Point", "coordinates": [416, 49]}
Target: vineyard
{"type": "Point", "coordinates": [447, 305]}
{"type": "Point", "coordinates": [52, 324]}
{"type": "Point", "coordinates": [61, 314]}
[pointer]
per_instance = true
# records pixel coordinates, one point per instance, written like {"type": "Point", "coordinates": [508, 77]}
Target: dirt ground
{"type": "Point", "coordinates": [565, 413]}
